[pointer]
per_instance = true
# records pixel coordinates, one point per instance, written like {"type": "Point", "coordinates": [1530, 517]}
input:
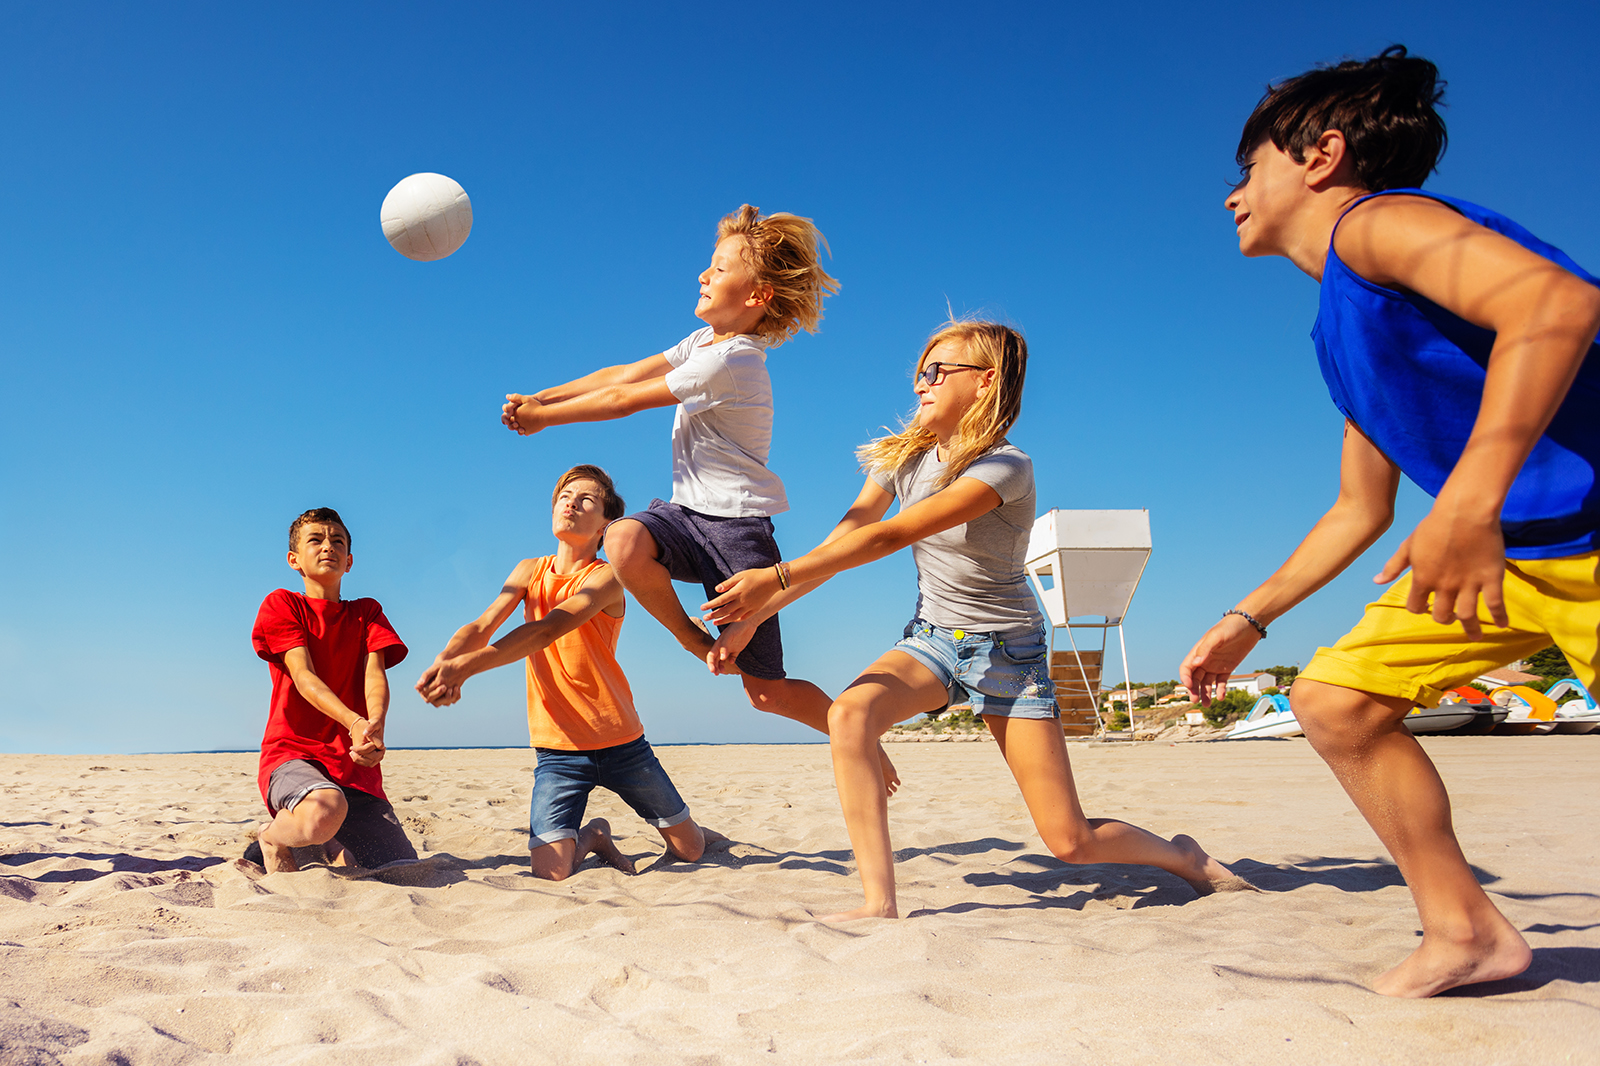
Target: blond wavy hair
{"type": "Point", "coordinates": [781, 251]}
{"type": "Point", "coordinates": [985, 344]}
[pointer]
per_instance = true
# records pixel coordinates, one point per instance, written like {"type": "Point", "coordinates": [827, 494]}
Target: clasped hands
{"type": "Point", "coordinates": [440, 684]}
{"type": "Point", "coordinates": [366, 742]}
{"type": "Point", "coordinates": [521, 414]}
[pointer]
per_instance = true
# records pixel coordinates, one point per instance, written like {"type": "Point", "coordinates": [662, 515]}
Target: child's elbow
{"type": "Point", "coordinates": [1379, 519]}
{"type": "Point", "coordinates": [1588, 310]}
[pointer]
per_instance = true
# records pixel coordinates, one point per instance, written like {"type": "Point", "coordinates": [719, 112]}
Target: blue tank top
{"type": "Point", "coordinates": [1411, 375]}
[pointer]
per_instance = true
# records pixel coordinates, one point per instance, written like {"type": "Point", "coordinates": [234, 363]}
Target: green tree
{"type": "Point", "coordinates": [1549, 664]}
{"type": "Point", "coordinates": [1284, 674]}
{"type": "Point", "coordinates": [1229, 707]}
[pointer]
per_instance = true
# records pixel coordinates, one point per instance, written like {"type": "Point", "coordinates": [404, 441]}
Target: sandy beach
{"type": "Point", "coordinates": [129, 935]}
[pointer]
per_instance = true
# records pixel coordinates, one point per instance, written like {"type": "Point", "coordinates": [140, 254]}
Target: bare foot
{"type": "Point", "coordinates": [336, 854]}
{"type": "Point", "coordinates": [277, 858]}
{"type": "Point", "coordinates": [1444, 962]}
{"type": "Point", "coordinates": [891, 776]}
{"type": "Point", "coordinates": [1207, 874]}
{"type": "Point", "coordinates": [596, 838]}
{"type": "Point", "coordinates": [887, 910]}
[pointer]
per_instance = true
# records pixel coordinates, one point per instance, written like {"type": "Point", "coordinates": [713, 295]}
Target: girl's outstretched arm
{"type": "Point", "coordinates": [749, 591]}
{"type": "Point", "coordinates": [871, 505]}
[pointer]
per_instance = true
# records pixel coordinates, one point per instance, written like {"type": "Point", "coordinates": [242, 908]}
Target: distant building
{"type": "Point", "coordinates": [1120, 695]}
{"type": "Point", "coordinates": [1255, 684]}
{"type": "Point", "coordinates": [1179, 694]}
{"type": "Point", "coordinates": [1505, 676]}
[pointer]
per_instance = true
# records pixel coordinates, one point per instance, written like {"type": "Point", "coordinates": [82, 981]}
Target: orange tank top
{"type": "Point", "coordinates": [578, 698]}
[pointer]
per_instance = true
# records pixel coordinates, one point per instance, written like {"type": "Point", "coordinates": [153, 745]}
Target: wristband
{"type": "Point", "coordinates": [783, 575]}
{"type": "Point", "coordinates": [1248, 618]}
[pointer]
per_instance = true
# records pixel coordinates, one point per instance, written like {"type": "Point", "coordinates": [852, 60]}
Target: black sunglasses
{"type": "Point", "coordinates": [934, 373]}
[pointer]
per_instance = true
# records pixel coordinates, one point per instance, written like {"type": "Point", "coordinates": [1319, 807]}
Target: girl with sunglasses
{"type": "Point", "coordinates": [967, 507]}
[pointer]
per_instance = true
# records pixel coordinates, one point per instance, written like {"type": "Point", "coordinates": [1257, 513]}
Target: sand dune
{"type": "Point", "coordinates": [128, 935]}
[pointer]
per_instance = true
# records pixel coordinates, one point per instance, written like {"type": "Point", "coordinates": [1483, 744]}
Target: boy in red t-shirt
{"type": "Point", "coordinates": [319, 757]}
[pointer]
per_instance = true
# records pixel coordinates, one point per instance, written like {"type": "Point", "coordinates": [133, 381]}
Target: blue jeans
{"type": "Point", "coordinates": [562, 781]}
{"type": "Point", "coordinates": [1005, 675]}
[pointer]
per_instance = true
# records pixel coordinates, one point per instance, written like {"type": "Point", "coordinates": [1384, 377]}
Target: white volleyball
{"type": "Point", "coordinates": [426, 217]}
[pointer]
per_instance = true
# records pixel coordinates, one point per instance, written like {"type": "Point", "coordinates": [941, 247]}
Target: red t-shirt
{"type": "Point", "coordinates": [337, 634]}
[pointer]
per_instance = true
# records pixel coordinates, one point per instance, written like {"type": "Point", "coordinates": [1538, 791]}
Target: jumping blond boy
{"type": "Point", "coordinates": [764, 284]}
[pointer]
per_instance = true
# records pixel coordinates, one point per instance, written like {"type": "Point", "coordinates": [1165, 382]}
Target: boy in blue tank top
{"type": "Point", "coordinates": [1460, 349]}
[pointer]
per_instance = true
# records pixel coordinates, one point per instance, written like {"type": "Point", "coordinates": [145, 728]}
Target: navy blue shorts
{"type": "Point", "coordinates": [562, 781]}
{"type": "Point", "coordinates": [710, 549]}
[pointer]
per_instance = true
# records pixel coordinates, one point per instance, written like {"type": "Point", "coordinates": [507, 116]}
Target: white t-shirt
{"type": "Point", "coordinates": [722, 433]}
{"type": "Point", "coordinates": [972, 576]}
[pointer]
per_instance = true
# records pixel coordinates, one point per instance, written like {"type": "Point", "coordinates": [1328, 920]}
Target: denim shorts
{"type": "Point", "coordinates": [562, 781]}
{"type": "Point", "coordinates": [1005, 675]}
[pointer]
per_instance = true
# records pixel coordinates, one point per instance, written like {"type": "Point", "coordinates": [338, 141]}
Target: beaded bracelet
{"type": "Point", "coordinates": [1248, 618]}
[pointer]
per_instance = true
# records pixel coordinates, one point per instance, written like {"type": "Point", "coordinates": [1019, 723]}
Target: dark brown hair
{"type": "Point", "coordinates": [611, 504]}
{"type": "Point", "coordinates": [324, 515]}
{"type": "Point", "coordinates": [1384, 106]}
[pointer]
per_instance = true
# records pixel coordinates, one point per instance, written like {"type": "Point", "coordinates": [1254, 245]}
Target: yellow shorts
{"type": "Point", "coordinates": [1393, 652]}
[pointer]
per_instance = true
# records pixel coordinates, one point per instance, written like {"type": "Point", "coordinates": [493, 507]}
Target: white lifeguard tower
{"type": "Point", "coordinates": [1085, 567]}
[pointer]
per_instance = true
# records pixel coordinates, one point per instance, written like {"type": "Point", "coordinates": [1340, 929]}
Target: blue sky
{"type": "Point", "coordinates": [203, 331]}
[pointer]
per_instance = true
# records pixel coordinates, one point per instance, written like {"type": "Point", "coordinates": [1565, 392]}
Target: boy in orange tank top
{"type": "Point", "coordinates": [581, 718]}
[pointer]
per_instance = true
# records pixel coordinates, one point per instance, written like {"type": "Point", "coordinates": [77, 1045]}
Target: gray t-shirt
{"type": "Point", "coordinates": [971, 577]}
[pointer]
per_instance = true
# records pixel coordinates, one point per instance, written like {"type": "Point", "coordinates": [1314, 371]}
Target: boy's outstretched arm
{"type": "Point", "coordinates": [1361, 514]}
{"type": "Point", "coordinates": [316, 692]}
{"type": "Point", "coordinates": [441, 684]}
{"type": "Point", "coordinates": [476, 634]}
{"type": "Point", "coordinates": [1544, 319]}
{"type": "Point", "coordinates": [611, 392]}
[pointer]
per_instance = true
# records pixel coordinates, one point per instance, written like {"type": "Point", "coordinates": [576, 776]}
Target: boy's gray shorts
{"type": "Point", "coordinates": [293, 781]}
{"type": "Point", "coordinates": [371, 832]}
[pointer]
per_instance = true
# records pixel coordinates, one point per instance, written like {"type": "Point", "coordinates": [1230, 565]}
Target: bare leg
{"type": "Point", "coordinates": [688, 841]}
{"type": "Point", "coordinates": [556, 862]}
{"type": "Point", "coordinates": [1465, 939]}
{"type": "Point", "coordinates": [633, 555]}
{"type": "Point", "coordinates": [314, 820]}
{"type": "Point", "coordinates": [890, 690]}
{"type": "Point", "coordinates": [1037, 755]}
{"type": "Point", "coordinates": [803, 702]}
